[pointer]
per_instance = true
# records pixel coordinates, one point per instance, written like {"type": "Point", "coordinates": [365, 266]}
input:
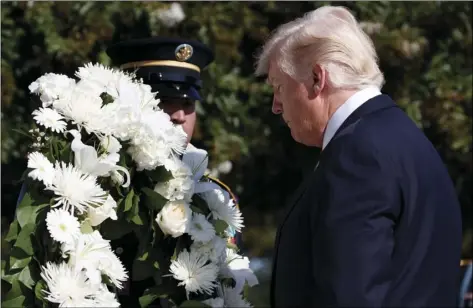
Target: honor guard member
{"type": "Point", "coordinates": [172, 67]}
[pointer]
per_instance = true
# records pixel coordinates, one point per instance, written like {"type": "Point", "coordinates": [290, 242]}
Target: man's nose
{"type": "Point", "coordinates": [277, 106]}
{"type": "Point", "coordinates": [178, 117]}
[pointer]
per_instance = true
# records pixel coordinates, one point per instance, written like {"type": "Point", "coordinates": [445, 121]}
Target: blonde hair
{"type": "Point", "coordinates": [331, 37]}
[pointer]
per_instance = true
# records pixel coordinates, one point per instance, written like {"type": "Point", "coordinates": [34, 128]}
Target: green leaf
{"type": "Point", "coordinates": [200, 203]}
{"type": "Point", "coordinates": [151, 294]}
{"type": "Point", "coordinates": [15, 302]}
{"type": "Point", "coordinates": [159, 174]}
{"type": "Point", "coordinates": [195, 209]}
{"type": "Point", "coordinates": [86, 227]}
{"type": "Point", "coordinates": [115, 229]}
{"type": "Point", "coordinates": [13, 231]}
{"type": "Point", "coordinates": [19, 263]}
{"type": "Point", "coordinates": [25, 209]}
{"type": "Point", "coordinates": [192, 304]}
{"type": "Point", "coordinates": [142, 270]}
{"type": "Point", "coordinates": [24, 240]}
{"type": "Point", "coordinates": [27, 276]}
{"type": "Point", "coordinates": [38, 290]}
{"type": "Point", "coordinates": [220, 226]}
{"type": "Point", "coordinates": [129, 201]}
{"type": "Point", "coordinates": [153, 200]}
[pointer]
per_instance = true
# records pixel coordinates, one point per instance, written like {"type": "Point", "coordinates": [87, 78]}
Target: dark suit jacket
{"type": "Point", "coordinates": [377, 224]}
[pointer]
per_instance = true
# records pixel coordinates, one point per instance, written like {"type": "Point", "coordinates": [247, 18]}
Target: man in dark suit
{"type": "Point", "coordinates": [377, 223]}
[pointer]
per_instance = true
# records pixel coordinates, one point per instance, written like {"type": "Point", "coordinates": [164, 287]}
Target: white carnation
{"type": "Point", "coordinates": [51, 87]}
{"type": "Point", "coordinates": [180, 187]}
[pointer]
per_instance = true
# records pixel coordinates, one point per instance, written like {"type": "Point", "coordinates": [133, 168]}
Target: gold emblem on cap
{"type": "Point", "coordinates": [184, 52]}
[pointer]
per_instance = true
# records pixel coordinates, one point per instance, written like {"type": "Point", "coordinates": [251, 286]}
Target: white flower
{"type": "Point", "coordinates": [52, 87]}
{"type": "Point", "coordinates": [49, 118]}
{"type": "Point", "coordinates": [86, 159]}
{"type": "Point", "coordinates": [97, 215]}
{"type": "Point", "coordinates": [194, 272]}
{"type": "Point", "coordinates": [213, 249]}
{"type": "Point", "coordinates": [200, 229]}
{"type": "Point", "coordinates": [92, 253]}
{"type": "Point", "coordinates": [43, 169]}
{"type": "Point", "coordinates": [62, 226]}
{"type": "Point", "coordinates": [98, 78]}
{"type": "Point", "coordinates": [232, 298]}
{"type": "Point", "coordinates": [110, 144]}
{"type": "Point", "coordinates": [223, 207]}
{"type": "Point", "coordinates": [238, 268]}
{"type": "Point", "coordinates": [180, 187]}
{"type": "Point", "coordinates": [174, 218]}
{"type": "Point", "coordinates": [172, 16]}
{"type": "Point", "coordinates": [67, 287]}
{"type": "Point", "coordinates": [76, 190]}
{"type": "Point", "coordinates": [104, 298]}
{"type": "Point", "coordinates": [214, 302]}
{"type": "Point", "coordinates": [84, 109]}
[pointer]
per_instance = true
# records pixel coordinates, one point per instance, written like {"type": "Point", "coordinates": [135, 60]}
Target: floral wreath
{"type": "Point", "coordinates": [105, 161]}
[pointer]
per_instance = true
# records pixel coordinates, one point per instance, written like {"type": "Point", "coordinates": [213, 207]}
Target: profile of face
{"type": "Point", "coordinates": [300, 104]}
{"type": "Point", "coordinates": [182, 112]}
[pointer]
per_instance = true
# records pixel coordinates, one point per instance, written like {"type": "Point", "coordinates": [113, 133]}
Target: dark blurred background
{"type": "Point", "coordinates": [425, 51]}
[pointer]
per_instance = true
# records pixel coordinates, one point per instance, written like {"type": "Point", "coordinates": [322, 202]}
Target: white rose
{"type": "Point", "coordinates": [174, 218]}
{"type": "Point", "coordinates": [106, 210]}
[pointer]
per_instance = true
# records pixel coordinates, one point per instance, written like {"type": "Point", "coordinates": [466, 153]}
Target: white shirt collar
{"type": "Point", "coordinates": [345, 110]}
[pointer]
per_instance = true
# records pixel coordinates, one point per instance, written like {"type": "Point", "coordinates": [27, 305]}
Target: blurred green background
{"type": "Point", "coordinates": [425, 50]}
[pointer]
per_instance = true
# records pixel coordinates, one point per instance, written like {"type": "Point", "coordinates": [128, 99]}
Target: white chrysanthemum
{"type": "Point", "coordinates": [223, 207]}
{"type": "Point", "coordinates": [62, 226]}
{"type": "Point", "coordinates": [213, 249]}
{"type": "Point", "coordinates": [200, 229]}
{"type": "Point", "coordinates": [214, 302]}
{"type": "Point", "coordinates": [49, 118]}
{"type": "Point", "coordinates": [76, 190]}
{"type": "Point", "coordinates": [194, 271]}
{"type": "Point", "coordinates": [104, 298]}
{"type": "Point", "coordinates": [174, 218]}
{"type": "Point", "coordinates": [67, 287]}
{"type": "Point", "coordinates": [91, 252]}
{"type": "Point", "coordinates": [84, 109]}
{"type": "Point", "coordinates": [238, 268]}
{"type": "Point", "coordinates": [97, 215]}
{"type": "Point", "coordinates": [43, 169]}
{"type": "Point", "coordinates": [180, 187]}
{"type": "Point", "coordinates": [51, 87]}
{"type": "Point", "coordinates": [98, 78]}
{"type": "Point", "coordinates": [233, 298]}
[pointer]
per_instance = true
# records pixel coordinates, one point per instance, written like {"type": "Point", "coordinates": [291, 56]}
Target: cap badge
{"type": "Point", "coordinates": [184, 52]}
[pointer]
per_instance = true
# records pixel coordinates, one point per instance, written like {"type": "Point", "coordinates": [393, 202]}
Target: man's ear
{"type": "Point", "coordinates": [318, 76]}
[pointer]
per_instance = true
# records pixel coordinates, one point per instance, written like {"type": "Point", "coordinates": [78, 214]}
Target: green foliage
{"type": "Point", "coordinates": [427, 65]}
